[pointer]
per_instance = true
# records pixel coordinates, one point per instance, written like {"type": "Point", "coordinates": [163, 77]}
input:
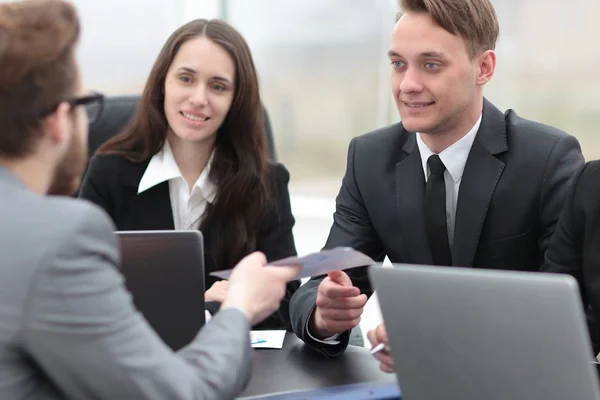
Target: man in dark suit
{"type": "Point", "coordinates": [457, 183]}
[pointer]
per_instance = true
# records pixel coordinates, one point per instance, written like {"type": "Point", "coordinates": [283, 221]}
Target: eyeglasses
{"type": "Point", "coordinates": [93, 102]}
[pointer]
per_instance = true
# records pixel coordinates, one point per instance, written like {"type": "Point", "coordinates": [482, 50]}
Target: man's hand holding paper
{"type": "Point", "coordinates": [320, 263]}
{"type": "Point", "coordinates": [339, 306]}
{"type": "Point", "coordinates": [339, 303]}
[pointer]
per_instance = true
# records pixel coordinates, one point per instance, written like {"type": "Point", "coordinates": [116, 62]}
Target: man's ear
{"type": "Point", "coordinates": [487, 67]}
{"type": "Point", "coordinates": [56, 125]}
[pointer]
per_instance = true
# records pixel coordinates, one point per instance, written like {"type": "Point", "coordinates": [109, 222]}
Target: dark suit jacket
{"type": "Point", "coordinates": [512, 191]}
{"type": "Point", "coordinates": [575, 246]}
{"type": "Point", "coordinates": [112, 183]}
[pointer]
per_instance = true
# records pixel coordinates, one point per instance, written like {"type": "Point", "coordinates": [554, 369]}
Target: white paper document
{"type": "Point", "coordinates": [319, 263]}
{"type": "Point", "coordinates": [267, 339]}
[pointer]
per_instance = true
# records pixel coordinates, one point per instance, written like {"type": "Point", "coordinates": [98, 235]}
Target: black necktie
{"type": "Point", "coordinates": [435, 212]}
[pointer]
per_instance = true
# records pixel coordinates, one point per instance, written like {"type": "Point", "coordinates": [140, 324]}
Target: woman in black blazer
{"type": "Point", "coordinates": [575, 245]}
{"type": "Point", "coordinates": [195, 157]}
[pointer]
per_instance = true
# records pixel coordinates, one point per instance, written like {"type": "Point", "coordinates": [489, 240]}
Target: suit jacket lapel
{"type": "Point", "coordinates": [151, 209]}
{"type": "Point", "coordinates": [410, 195]}
{"type": "Point", "coordinates": [480, 177]}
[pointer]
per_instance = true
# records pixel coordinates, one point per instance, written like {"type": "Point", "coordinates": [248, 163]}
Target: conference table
{"type": "Point", "coordinates": [296, 367]}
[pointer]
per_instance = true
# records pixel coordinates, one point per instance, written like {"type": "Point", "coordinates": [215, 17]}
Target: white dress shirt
{"type": "Point", "coordinates": [454, 158]}
{"type": "Point", "coordinates": [187, 204]}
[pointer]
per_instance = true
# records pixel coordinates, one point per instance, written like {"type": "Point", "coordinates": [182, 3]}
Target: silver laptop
{"type": "Point", "coordinates": [472, 334]}
{"type": "Point", "coordinates": [164, 271]}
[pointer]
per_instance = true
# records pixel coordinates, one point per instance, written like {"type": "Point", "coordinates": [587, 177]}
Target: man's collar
{"type": "Point", "coordinates": [455, 156]}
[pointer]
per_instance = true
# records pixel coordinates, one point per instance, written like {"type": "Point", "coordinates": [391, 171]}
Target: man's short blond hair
{"type": "Point", "coordinates": [473, 20]}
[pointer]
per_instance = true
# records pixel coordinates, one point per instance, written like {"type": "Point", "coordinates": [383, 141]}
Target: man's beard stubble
{"type": "Point", "coordinates": [68, 174]}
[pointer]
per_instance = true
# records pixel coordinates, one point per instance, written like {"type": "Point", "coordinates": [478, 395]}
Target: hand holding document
{"type": "Point", "coordinates": [320, 263]}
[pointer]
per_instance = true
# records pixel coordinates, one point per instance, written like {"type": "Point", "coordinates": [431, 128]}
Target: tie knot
{"type": "Point", "coordinates": [436, 166]}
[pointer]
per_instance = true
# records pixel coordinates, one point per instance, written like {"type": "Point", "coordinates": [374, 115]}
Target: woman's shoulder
{"type": "Point", "coordinates": [114, 167]}
{"type": "Point", "coordinates": [279, 173]}
{"type": "Point", "coordinates": [113, 162]}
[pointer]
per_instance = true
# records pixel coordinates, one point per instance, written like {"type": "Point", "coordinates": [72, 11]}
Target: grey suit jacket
{"type": "Point", "coordinates": [68, 326]}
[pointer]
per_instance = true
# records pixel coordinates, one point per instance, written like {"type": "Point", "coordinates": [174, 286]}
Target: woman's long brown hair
{"type": "Point", "coordinates": [240, 166]}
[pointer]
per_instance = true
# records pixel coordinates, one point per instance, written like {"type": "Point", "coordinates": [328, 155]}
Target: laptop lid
{"type": "Point", "coordinates": [164, 271]}
{"type": "Point", "coordinates": [471, 334]}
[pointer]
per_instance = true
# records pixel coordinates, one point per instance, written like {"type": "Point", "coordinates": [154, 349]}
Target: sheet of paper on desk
{"type": "Point", "coordinates": [267, 339]}
{"type": "Point", "coordinates": [319, 263]}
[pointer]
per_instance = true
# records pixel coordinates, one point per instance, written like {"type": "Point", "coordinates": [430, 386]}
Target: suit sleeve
{"type": "Point", "coordinates": [563, 165]}
{"type": "Point", "coordinates": [351, 227]}
{"type": "Point", "coordinates": [565, 250]}
{"type": "Point", "coordinates": [276, 241]}
{"type": "Point", "coordinates": [82, 329]}
{"type": "Point", "coordinates": [95, 187]}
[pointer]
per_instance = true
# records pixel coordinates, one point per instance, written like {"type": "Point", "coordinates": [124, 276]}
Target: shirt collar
{"type": "Point", "coordinates": [454, 157]}
{"type": "Point", "coordinates": [163, 168]}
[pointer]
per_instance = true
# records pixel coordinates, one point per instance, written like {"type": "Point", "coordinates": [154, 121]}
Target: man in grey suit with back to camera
{"type": "Point", "coordinates": [456, 183]}
{"type": "Point", "coordinates": [68, 327]}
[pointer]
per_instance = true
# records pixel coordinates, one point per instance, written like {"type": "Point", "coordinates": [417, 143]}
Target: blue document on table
{"type": "Point", "coordinates": [320, 263]}
{"type": "Point", "coordinates": [355, 391]}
